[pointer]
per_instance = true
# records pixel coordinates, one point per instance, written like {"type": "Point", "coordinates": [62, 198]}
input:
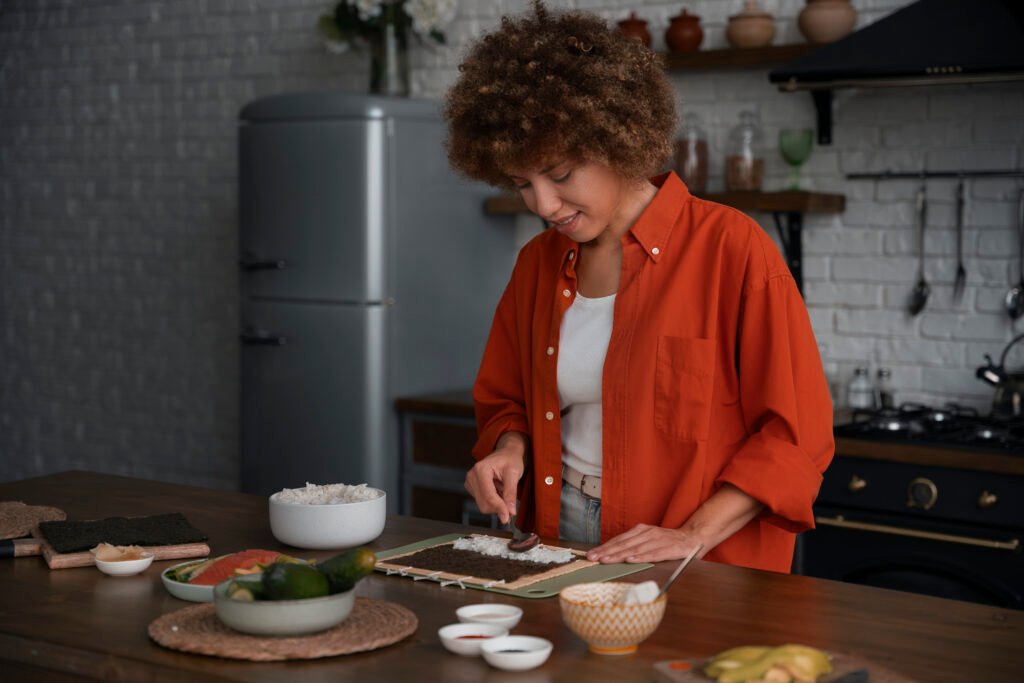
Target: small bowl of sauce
{"type": "Point", "coordinates": [516, 653]}
{"type": "Point", "coordinates": [493, 613]}
{"type": "Point", "coordinates": [466, 639]}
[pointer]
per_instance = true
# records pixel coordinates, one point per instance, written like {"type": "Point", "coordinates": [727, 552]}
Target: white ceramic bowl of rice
{"type": "Point", "coordinates": [332, 516]}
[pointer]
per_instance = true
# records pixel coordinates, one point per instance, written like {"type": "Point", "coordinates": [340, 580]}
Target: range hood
{"type": "Point", "coordinates": [929, 42]}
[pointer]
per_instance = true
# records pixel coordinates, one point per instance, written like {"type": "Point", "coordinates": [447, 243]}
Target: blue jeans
{"type": "Point", "coordinates": [580, 517]}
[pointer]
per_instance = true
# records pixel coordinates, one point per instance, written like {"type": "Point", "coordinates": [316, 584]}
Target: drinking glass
{"type": "Point", "coordinates": [795, 146]}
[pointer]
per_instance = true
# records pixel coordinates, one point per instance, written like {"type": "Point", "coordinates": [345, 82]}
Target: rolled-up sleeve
{"type": "Point", "coordinates": [785, 400]}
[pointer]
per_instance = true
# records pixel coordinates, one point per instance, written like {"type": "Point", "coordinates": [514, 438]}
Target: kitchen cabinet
{"type": "Point", "coordinates": [437, 433]}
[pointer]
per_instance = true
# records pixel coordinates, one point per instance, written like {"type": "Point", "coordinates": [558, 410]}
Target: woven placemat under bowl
{"type": "Point", "coordinates": [17, 519]}
{"type": "Point", "coordinates": [373, 624]}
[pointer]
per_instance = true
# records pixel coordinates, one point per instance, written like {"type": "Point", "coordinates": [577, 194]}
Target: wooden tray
{"type": "Point", "coordinates": [542, 589]}
{"type": "Point", "coordinates": [675, 671]}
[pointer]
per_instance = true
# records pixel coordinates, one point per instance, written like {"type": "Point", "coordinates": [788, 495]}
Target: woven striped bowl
{"type": "Point", "coordinates": [591, 611]}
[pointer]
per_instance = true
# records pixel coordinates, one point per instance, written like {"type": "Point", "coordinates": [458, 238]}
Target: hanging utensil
{"type": "Point", "coordinates": [919, 295]}
{"type": "Point", "coordinates": [1015, 297]}
{"type": "Point", "coordinates": [961, 272]}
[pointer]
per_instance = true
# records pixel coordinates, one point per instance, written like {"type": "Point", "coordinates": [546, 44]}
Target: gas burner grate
{"type": "Point", "coordinates": [951, 425]}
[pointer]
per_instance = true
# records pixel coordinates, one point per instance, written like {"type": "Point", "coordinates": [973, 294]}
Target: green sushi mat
{"type": "Point", "coordinates": [541, 589]}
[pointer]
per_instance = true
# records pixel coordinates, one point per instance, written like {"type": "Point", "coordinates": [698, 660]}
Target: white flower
{"type": "Point", "coordinates": [368, 9]}
{"type": "Point", "coordinates": [430, 15]}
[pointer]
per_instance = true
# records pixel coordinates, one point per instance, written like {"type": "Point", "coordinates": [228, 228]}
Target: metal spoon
{"type": "Point", "coordinates": [521, 541]}
{"type": "Point", "coordinates": [961, 272]}
{"type": "Point", "coordinates": [1015, 297]}
{"type": "Point", "coordinates": [919, 295]}
{"type": "Point", "coordinates": [679, 570]}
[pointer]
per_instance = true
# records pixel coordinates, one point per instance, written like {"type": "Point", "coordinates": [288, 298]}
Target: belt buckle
{"type": "Point", "coordinates": [583, 486]}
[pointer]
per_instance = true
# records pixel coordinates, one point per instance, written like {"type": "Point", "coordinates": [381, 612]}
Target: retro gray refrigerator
{"type": "Point", "coordinates": [369, 271]}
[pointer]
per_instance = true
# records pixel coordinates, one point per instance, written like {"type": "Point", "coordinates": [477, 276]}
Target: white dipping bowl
{"type": "Point", "coordinates": [496, 614]}
{"type": "Point", "coordinates": [451, 633]}
{"type": "Point", "coordinates": [324, 527]}
{"type": "Point", "coordinates": [534, 652]}
{"type": "Point", "coordinates": [281, 617]}
{"type": "Point", "coordinates": [186, 591]}
{"type": "Point", "coordinates": [125, 567]}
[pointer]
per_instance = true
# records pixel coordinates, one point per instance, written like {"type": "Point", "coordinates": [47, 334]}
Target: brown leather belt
{"type": "Point", "coordinates": [588, 484]}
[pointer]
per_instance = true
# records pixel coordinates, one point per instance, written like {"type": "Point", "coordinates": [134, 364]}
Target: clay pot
{"type": "Point", "coordinates": [825, 21]}
{"type": "Point", "coordinates": [753, 27]}
{"type": "Point", "coordinates": [684, 33]}
{"type": "Point", "coordinates": [635, 27]}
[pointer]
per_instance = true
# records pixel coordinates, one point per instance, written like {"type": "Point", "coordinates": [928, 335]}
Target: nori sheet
{"type": "Point", "coordinates": [73, 537]}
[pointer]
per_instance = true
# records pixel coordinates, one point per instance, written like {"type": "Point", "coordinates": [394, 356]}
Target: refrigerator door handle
{"type": "Point", "coordinates": [247, 263]}
{"type": "Point", "coordinates": [262, 338]}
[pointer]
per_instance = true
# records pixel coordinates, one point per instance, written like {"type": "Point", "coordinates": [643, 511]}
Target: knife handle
{"type": "Point", "coordinates": [20, 547]}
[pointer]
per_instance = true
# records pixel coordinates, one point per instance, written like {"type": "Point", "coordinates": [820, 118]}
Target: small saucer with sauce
{"type": "Point", "coordinates": [466, 639]}
{"type": "Point", "coordinates": [494, 613]}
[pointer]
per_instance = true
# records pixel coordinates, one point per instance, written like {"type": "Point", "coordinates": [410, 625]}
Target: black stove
{"type": "Point", "coordinates": [952, 426]}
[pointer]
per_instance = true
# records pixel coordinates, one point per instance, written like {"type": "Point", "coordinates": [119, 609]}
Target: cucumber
{"type": "Point", "coordinates": [288, 581]}
{"type": "Point", "coordinates": [344, 571]}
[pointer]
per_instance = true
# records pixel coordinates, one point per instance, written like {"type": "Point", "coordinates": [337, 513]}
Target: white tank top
{"type": "Point", "coordinates": [583, 344]}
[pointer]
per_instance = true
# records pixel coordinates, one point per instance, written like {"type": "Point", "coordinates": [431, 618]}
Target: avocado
{"type": "Point", "coordinates": [344, 571]}
{"type": "Point", "coordinates": [733, 658]}
{"type": "Point", "coordinates": [288, 581]}
{"type": "Point", "coordinates": [805, 662]}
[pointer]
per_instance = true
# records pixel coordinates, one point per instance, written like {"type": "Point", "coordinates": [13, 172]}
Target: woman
{"type": "Point", "coordinates": [651, 381]}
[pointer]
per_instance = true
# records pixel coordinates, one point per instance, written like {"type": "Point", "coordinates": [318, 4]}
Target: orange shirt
{"type": "Point", "coordinates": [712, 376]}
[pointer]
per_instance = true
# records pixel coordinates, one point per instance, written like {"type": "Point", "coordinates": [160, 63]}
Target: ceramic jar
{"type": "Point", "coordinates": [753, 27]}
{"type": "Point", "coordinates": [825, 21]}
{"type": "Point", "coordinates": [635, 27]}
{"type": "Point", "coordinates": [684, 33]}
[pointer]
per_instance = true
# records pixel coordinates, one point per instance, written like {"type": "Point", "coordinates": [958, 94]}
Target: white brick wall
{"type": "Point", "coordinates": [118, 216]}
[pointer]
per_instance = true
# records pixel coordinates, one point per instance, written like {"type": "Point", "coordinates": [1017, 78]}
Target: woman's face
{"type": "Point", "coordinates": [582, 200]}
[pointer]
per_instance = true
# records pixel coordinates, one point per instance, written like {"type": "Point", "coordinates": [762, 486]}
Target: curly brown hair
{"type": "Point", "coordinates": [547, 87]}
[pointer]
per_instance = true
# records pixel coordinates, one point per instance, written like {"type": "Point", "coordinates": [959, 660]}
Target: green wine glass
{"type": "Point", "coordinates": [795, 144]}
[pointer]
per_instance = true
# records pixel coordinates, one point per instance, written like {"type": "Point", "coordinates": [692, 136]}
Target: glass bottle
{"type": "Point", "coordinates": [744, 155]}
{"type": "Point", "coordinates": [692, 155]}
{"type": "Point", "coordinates": [883, 388]}
{"type": "Point", "coordinates": [859, 392]}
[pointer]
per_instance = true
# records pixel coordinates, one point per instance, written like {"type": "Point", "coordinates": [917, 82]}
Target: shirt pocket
{"type": "Point", "coordinates": [683, 386]}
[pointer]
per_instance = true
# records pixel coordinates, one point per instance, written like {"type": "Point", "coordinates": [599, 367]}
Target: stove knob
{"type": "Point", "coordinates": [922, 493]}
{"type": "Point", "coordinates": [987, 500]}
{"type": "Point", "coordinates": [857, 484]}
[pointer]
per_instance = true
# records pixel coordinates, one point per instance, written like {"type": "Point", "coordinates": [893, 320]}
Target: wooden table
{"type": "Point", "coordinates": [77, 624]}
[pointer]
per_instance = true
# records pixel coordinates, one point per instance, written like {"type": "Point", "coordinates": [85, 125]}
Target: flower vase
{"type": "Point", "coordinates": [389, 62]}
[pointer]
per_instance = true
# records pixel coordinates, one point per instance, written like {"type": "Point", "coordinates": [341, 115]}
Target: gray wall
{"type": "Point", "coordinates": [118, 214]}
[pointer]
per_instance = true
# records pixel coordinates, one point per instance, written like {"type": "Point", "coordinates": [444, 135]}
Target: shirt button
{"type": "Point", "coordinates": [551, 350]}
{"type": "Point", "coordinates": [655, 251]}
{"type": "Point", "coordinates": [549, 480]}
{"type": "Point", "coordinates": [572, 255]}
{"type": "Point", "coordinates": [566, 293]}
{"type": "Point", "coordinates": [549, 415]}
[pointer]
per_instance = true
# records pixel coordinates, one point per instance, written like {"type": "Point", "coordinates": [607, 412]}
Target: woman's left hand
{"type": "Point", "coordinates": [647, 543]}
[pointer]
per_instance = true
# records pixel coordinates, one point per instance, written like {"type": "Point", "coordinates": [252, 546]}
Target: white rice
{"type": "Point", "coordinates": [498, 547]}
{"type": "Point", "coordinates": [328, 494]}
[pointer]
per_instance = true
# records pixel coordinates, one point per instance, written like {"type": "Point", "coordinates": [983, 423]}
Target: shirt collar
{"type": "Point", "coordinates": [655, 224]}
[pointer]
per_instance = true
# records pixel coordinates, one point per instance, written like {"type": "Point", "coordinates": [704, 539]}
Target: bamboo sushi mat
{"type": "Point", "coordinates": [372, 624]}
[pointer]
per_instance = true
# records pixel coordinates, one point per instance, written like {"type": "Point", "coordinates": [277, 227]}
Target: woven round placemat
{"type": "Point", "coordinates": [17, 518]}
{"type": "Point", "coordinates": [372, 624]}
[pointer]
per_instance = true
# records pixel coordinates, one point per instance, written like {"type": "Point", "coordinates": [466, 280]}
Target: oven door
{"type": "Point", "coordinates": [947, 560]}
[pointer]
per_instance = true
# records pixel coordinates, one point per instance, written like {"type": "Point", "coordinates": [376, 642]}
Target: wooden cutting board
{"type": "Point", "coordinates": [690, 670]}
{"type": "Point", "coordinates": [55, 560]}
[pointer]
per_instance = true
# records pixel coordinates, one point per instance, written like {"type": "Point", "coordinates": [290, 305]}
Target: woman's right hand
{"type": "Point", "coordinates": [494, 480]}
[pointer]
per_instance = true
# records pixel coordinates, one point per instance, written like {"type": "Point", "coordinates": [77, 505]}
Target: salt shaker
{"type": "Point", "coordinates": [859, 392]}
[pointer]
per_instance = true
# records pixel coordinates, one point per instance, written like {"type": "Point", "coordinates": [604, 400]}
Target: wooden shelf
{"type": "Point", "coordinates": [787, 201]}
{"type": "Point", "coordinates": [736, 58]}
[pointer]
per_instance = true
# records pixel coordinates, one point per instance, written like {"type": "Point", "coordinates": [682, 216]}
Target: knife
{"type": "Point", "coordinates": [20, 547]}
